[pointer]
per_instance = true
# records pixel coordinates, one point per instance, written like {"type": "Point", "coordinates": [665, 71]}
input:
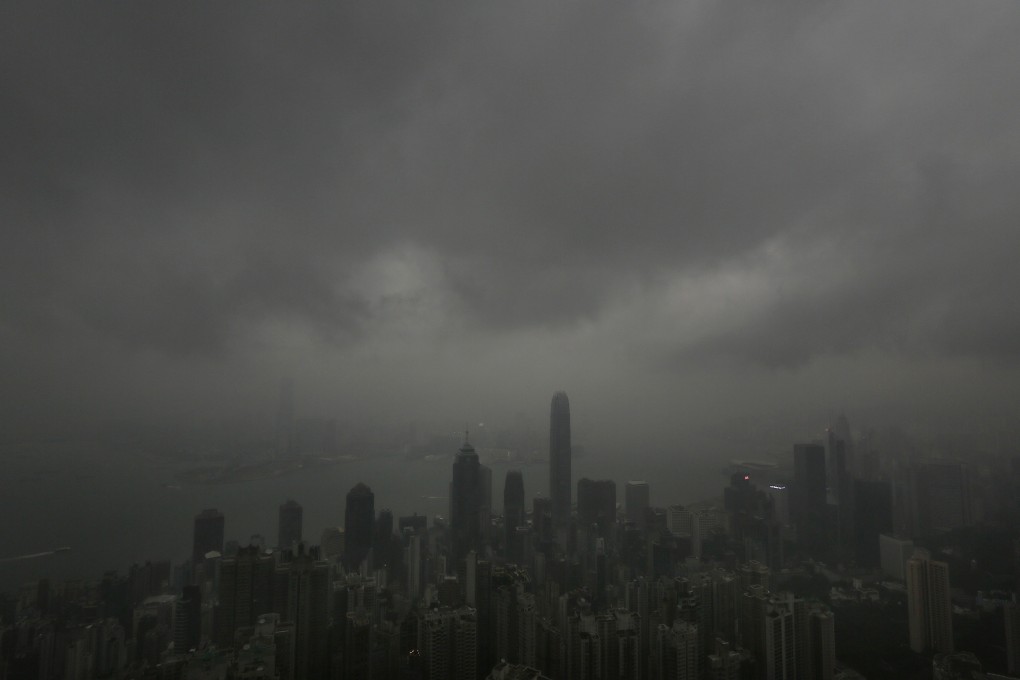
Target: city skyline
{"type": "Point", "coordinates": [260, 263]}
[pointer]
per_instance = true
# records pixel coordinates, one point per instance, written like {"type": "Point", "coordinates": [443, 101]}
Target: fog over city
{"type": "Point", "coordinates": [681, 213]}
{"type": "Point", "coordinates": [510, 340]}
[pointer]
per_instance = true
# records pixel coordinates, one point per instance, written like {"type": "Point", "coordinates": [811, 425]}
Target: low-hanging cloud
{"type": "Point", "coordinates": [765, 184]}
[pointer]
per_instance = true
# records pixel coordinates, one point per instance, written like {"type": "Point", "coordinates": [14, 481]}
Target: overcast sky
{"type": "Point", "coordinates": [674, 211]}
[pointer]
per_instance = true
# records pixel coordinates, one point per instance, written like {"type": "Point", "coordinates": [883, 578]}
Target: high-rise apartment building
{"type": "Point", "coordinates": [304, 593]}
{"type": "Point", "coordinates": [208, 535]}
{"type": "Point", "coordinates": [929, 605]}
{"type": "Point", "coordinates": [359, 526]}
{"type": "Point", "coordinates": [780, 658]}
{"type": "Point", "coordinates": [448, 642]}
{"type": "Point", "coordinates": [245, 592]}
{"type": "Point", "coordinates": [291, 515]}
{"type": "Point", "coordinates": [822, 643]}
{"type": "Point", "coordinates": [675, 651]}
{"type": "Point", "coordinates": [559, 459]}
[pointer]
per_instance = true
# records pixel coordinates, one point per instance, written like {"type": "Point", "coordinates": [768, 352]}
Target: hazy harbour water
{"type": "Point", "coordinates": [117, 508]}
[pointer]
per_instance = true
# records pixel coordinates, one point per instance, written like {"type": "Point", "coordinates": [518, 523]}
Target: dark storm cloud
{"type": "Point", "coordinates": [177, 178]}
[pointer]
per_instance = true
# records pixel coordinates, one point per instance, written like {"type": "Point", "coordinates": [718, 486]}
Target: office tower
{"type": "Point", "coordinates": [386, 553]}
{"type": "Point", "coordinates": [291, 514]}
{"type": "Point", "coordinates": [513, 510]}
{"type": "Point", "coordinates": [245, 592]}
{"type": "Point", "coordinates": [559, 459]}
{"type": "Point", "coordinates": [872, 517]}
{"type": "Point", "coordinates": [840, 494]}
{"type": "Point", "coordinates": [836, 473]}
{"type": "Point", "coordinates": [484, 502]}
{"type": "Point", "coordinates": [929, 605]}
{"type": "Point", "coordinates": [285, 440]}
{"type": "Point", "coordinates": [596, 503]}
{"type": "Point", "coordinates": [359, 526]}
{"type": "Point", "coordinates": [637, 497]}
{"type": "Point", "coordinates": [208, 535]}
{"type": "Point", "coordinates": [1011, 614]}
{"type": "Point", "coordinates": [809, 509]}
{"type": "Point", "coordinates": [414, 567]}
{"type": "Point", "coordinates": [304, 583]}
{"type": "Point", "coordinates": [894, 553]}
{"type": "Point", "coordinates": [822, 643]}
{"type": "Point", "coordinates": [465, 505]}
{"type": "Point", "coordinates": [541, 520]}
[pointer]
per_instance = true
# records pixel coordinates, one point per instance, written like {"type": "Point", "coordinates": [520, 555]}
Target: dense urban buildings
{"type": "Point", "coordinates": [747, 583]}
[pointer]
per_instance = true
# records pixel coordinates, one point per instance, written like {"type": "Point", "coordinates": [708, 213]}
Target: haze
{"type": "Point", "coordinates": [681, 213]}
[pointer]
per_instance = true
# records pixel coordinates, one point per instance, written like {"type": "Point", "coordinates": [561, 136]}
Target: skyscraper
{"type": "Point", "coordinates": [638, 498]}
{"type": "Point", "coordinates": [513, 506]}
{"type": "Point", "coordinates": [208, 535]}
{"type": "Point", "coordinates": [873, 516]}
{"type": "Point", "coordinates": [929, 605]}
{"type": "Point", "coordinates": [359, 525]}
{"type": "Point", "coordinates": [559, 459]}
{"type": "Point", "coordinates": [304, 582]}
{"type": "Point", "coordinates": [290, 524]}
{"type": "Point", "coordinates": [465, 504]}
{"type": "Point", "coordinates": [809, 505]}
{"type": "Point", "coordinates": [245, 592]}
{"type": "Point", "coordinates": [596, 502]}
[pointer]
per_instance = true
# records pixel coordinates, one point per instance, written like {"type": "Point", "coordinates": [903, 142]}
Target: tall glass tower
{"type": "Point", "coordinates": [359, 525]}
{"type": "Point", "coordinates": [559, 459]}
{"type": "Point", "coordinates": [465, 505]}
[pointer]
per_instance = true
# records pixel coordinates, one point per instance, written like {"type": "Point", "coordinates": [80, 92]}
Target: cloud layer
{"type": "Point", "coordinates": [647, 187]}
